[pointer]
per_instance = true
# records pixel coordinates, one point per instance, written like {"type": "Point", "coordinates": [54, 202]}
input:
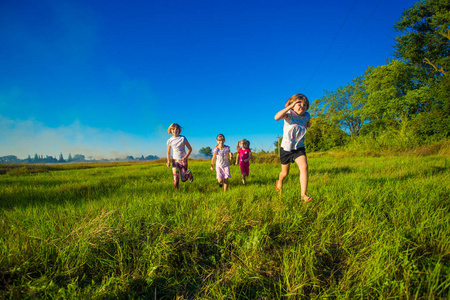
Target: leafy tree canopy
{"type": "Point", "coordinates": [425, 40]}
{"type": "Point", "coordinates": [207, 151]}
{"type": "Point", "coordinates": [323, 136]}
{"type": "Point", "coordinates": [342, 106]}
{"type": "Point", "coordinates": [393, 92]}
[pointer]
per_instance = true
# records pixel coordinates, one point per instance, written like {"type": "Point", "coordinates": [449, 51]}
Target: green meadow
{"type": "Point", "coordinates": [379, 227]}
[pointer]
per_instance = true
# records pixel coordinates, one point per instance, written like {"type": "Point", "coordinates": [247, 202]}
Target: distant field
{"type": "Point", "coordinates": [379, 227]}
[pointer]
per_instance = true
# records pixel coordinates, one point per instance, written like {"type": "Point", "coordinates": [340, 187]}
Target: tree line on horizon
{"type": "Point", "coordinates": [70, 159]}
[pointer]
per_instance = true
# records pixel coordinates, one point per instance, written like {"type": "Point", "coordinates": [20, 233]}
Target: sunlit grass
{"type": "Point", "coordinates": [379, 227]}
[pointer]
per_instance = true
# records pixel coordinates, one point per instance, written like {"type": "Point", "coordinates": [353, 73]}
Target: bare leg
{"type": "Point", "coordinates": [283, 174]}
{"type": "Point", "coordinates": [176, 178]}
{"type": "Point", "coordinates": [225, 184]}
{"type": "Point", "coordinates": [303, 167]}
{"type": "Point", "coordinates": [187, 175]}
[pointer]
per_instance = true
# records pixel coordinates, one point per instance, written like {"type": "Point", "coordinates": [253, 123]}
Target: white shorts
{"type": "Point", "coordinates": [223, 172]}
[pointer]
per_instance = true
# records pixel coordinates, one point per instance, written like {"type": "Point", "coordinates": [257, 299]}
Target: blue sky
{"type": "Point", "coordinates": [106, 78]}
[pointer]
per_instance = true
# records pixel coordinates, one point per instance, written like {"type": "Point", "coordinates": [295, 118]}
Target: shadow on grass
{"type": "Point", "coordinates": [330, 264]}
{"type": "Point", "coordinates": [186, 268]}
{"type": "Point", "coordinates": [438, 170]}
{"type": "Point", "coordinates": [333, 171]}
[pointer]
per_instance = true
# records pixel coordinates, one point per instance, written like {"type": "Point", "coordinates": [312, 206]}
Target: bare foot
{"type": "Point", "coordinates": [307, 198]}
{"type": "Point", "coordinates": [279, 186]}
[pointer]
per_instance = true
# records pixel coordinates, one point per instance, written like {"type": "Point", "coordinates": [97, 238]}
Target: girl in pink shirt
{"type": "Point", "coordinates": [244, 154]}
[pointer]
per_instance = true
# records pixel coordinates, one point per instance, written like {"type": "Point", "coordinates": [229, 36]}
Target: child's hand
{"type": "Point", "coordinates": [168, 164]}
{"type": "Point", "coordinates": [212, 169]}
{"type": "Point", "coordinates": [293, 104]}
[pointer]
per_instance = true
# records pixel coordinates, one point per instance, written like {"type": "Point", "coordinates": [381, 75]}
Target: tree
{"type": "Point", "coordinates": [9, 159]}
{"type": "Point", "coordinates": [78, 158]}
{"type": "Point", "coordinates": [61, 158]}
{"type": "Point", "coordinates": [151, 157]}
{"type": "Point", "coordinates": [425, 40]}
{"type": "Point", "coordinates": [322, 135]}
{"type": "Point", "coordinates": [393, 92]}
{"type": "Point", "coordinates": [277, 145]}
{"type": "Point", "coordinates": [206, 151]}
{"type": "Point", "coordinates": [49, 159]}
{"type": "Point", "coordinates": [434, 124]}
{"type": "Point", "coordinates": [342, 107]}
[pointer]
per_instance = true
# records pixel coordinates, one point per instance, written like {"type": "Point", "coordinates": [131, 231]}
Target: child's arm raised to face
{"type": "Point", "coordinates": [168, 156]}
{"type": "Point", "coordinates": [280, 115]}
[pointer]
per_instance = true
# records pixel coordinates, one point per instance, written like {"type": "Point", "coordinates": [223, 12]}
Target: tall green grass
{"type": "Point", "coordinates": [379, 227]}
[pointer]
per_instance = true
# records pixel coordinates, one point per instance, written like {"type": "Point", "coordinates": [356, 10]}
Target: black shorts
{"type": "Point", "coordinates": [287, 157]}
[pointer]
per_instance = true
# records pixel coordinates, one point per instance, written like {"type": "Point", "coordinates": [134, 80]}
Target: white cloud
{"type": "Point", "coordinates": [27, 137]}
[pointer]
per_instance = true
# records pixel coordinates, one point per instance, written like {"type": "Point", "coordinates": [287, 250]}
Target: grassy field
{"type": "Point", "coordinates": [379, 227]}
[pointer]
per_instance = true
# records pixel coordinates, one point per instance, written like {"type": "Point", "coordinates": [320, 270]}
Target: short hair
{"type": "Point", "coordinates": [220, 137]}
{"type": "Point", "coordinates": [298, 97]}
{"type": "Point", "coordinates": [173, 126]}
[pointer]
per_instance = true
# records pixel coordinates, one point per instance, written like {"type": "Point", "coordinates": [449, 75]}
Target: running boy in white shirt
{"type": "Point", "coordinates": [180, 158]}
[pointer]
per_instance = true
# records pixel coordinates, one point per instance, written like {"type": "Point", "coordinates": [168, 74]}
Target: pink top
{"type": "Point", "coordinates": [244, 154]}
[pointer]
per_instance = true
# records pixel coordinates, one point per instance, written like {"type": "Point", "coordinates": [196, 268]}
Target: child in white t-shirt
{"type": "Point", "coordinates": [180, 158]}
{"type": "Point", "coordinates": [296, 120]}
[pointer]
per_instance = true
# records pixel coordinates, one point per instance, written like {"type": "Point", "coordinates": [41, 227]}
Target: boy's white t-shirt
{"type": "Point", "coordinates": [177, 144]}
{"type": "Point", "coordinates": [294, 130]}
